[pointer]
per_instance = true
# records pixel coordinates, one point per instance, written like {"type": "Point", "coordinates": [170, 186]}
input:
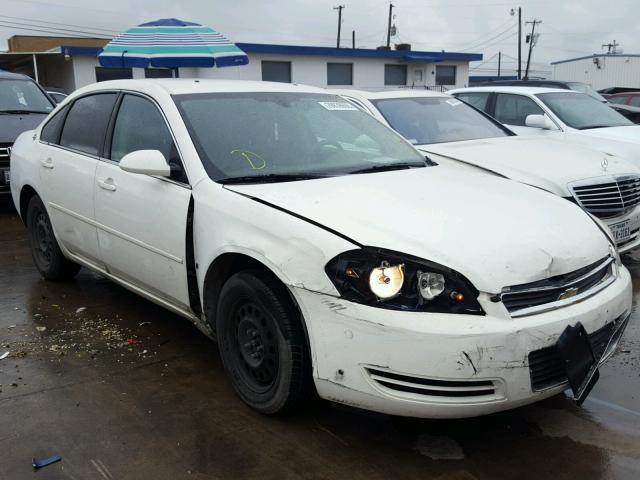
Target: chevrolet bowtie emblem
{"type": "Point", "coordinates": [605, 164]}
{"type": "Point", "coordinates": [568, 293]}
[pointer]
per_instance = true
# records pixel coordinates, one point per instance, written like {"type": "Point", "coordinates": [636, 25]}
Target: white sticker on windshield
{"type": "Point", "coordinates": [337, 106]}
{"type": "Point", "coordinates": [453, 102]}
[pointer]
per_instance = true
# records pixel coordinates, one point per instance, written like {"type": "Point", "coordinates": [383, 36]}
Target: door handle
{"type": "Point", "coordinates": [47, 163]}
{"type": "Point", "coordinates": [107, 184]}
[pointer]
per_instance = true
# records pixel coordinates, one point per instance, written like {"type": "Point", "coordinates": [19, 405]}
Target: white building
{"type": "Point", "coordinates": [71, 67]}
{"type": "Point", "coordinates": [600, 70]}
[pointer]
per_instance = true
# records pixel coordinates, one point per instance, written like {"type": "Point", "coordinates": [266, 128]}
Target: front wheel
{"type": "Point", "coordinates": [45, 250]}
{"type": "Point", "coordinates": [262, 343]}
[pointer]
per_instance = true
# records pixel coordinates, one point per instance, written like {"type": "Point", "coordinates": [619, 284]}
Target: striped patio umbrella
{"type": "Point", "coordinates": [171, 43]}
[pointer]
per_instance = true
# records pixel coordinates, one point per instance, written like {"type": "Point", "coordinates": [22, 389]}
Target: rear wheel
{"type": "Point", "coordinates": [262, 343]}
{"type": "Point", "coordinates": [45, 250]}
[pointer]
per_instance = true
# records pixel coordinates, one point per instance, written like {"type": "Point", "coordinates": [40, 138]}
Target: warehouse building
{"type": "Point", "coordinates": [70, 63]}
{"type": "Point", "coordinates": [601, 70]}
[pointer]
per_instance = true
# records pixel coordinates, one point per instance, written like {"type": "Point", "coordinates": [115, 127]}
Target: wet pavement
{"type": "Point", "coordinates": [122, 389]}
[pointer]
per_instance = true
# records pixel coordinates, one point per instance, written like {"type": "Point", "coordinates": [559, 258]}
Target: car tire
{"type": "Point", "coordinates": [262, 343]}
{"type": "Point", "coordinates": [45, 250]}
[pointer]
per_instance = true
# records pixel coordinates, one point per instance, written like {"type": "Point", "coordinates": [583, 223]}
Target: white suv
{"type": "Point", "coordinates": [318, 247]}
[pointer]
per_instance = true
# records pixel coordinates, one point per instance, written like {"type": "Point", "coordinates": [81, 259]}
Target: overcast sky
{"type": "Point", "coordinates": [570, 28]}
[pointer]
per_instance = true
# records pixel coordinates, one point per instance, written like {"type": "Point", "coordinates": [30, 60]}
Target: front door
{"type": "Point", "coordinates": [142, 219]}
{"type": "Point", "coordinates": [69, 159]}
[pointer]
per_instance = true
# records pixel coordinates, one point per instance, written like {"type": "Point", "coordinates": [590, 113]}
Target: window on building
{"type": "Point", "coordinates": [86, 124]}
{"type": "Point", "coordinates": [276, 71]}
{"type": "Point", "coordinates": [158, 73]}
{"type": "Point", "coordinates": [514, 109]}
{"type": "Point", "coordinates": [445, 74]}
{"type": "Point", "coordinates": [339, 73]}
{"type": "Point", "coordinates": [395, 74]}
{"type": "Point", "coordinates": [107, 73]}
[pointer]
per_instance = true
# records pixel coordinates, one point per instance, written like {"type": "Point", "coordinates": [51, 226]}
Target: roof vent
{"type": "Point", "coordinates": [403, 46]}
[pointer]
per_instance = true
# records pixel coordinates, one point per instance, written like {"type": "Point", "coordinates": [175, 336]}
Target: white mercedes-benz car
{"type": "Point", "coordinates": [451, 132]}
{"type": "Point", "coordinates": [320, 248]}
{"type": "Point", "coordinates": [555, 113]}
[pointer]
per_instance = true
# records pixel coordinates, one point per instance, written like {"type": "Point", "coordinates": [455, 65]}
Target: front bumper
{"type": "Point", "coordinates": [440, 365]}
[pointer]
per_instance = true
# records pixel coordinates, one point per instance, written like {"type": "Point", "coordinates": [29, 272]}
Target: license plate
{"type": "Point", "coordinates": [622, 231]}
{"type": "Point", "coordinates": [7, 176]}
{"type": "Point", "coordinates": [580, 364]}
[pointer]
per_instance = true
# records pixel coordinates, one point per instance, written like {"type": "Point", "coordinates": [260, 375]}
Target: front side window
{"type": "Point", "coordinates": [339, 73]}
{"type": "Point", "coordinates": [86, 123]}
{"type": "Point", "coordinates": [139, 126]}
{"type": "Point", "coordinates": [395, 74]}
{"type": "Point", "coordinates": [426, 120]}
{"type": "Point", "coordinates": [445, 74]}
{"type": "Point", "coordinates": [514, 109]}
{"type": "Point", "coordinates": [478, 100]}
{"type": "Point", "coordinates": [581, 111]}
{"type": "Point", "coordinates": [22, 96]}
{"type": "Point", "coordinates": [276, 71]}
{"type": "Point", "coordinates": [244, 136]}
{"type": "Point", "coordinates": [635, 101]}
{"type": "Point", "coordinates": [619, 100]}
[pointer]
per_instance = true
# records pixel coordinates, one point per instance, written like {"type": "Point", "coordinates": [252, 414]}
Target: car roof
{"type": "Point", "coordinates": [180, 86]}
{"type": "Point", "coordinates": [15, 76]}
{"type": "Point", "coordinates": [510, 89]}
{"type": "Point", "coordinates": [402, 93]}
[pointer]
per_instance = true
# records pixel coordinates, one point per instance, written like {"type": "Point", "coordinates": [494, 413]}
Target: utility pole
{"type": "Point", "coordinates": [612, 48]}
{"type": "Point", "coordinates": [339, 8]}
{"type": "Point", "coordinates": [499, 60]}
{"type": "Point", "coordinates": [532, 40]}
{"type": "Point", "coordinates": [389, 26]}
{"type": "Point", "coordinates": [353, 39]}
{"type": "Point", "coordinates": [513, 12]}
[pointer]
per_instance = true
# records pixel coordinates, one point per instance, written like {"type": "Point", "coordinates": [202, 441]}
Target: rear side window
{"type": "Point", "coordinates": [478, 100]}
{"type": "Point", "coordinates": [635, 101]}
{"type": "Point", "coordinates": [86, 123]}
{"type": "Point", "coordinates": [514, 109]}
{"type": "Point", "coordinates": [51, 131]}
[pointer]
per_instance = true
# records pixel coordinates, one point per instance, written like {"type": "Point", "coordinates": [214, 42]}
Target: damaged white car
{"type": "Point", "coordinates": [319, 248]}
{"type": "Point", "coordinates": [451, 132]}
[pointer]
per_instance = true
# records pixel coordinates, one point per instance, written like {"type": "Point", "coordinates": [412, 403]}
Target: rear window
{"type": "Point", "coordinates": [86, 123]}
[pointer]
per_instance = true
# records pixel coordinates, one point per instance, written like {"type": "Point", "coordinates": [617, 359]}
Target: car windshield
{"type": "Point", "coordinates": [22, 96]}
{"type": "Point", "coordinates": [581, 111]}
{"type": "Point", "coordinates": [427, 120]}
{"type": "Point", "coordinates": [588, 89]}
{"type": "Point", "coordinates": [256, 137]}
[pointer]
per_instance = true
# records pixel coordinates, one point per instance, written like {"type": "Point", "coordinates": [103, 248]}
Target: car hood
{"type": "Point", "coordinates": [13, 125]}
{"type": "Point", "coordinates": [629, 133]}
{"type": "Point", "coordinates": [545, 163]}
{"type": "Point", "coordinates": [494, 231]}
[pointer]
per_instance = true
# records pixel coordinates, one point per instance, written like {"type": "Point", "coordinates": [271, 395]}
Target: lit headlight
{"type": "Point", "coordinates": [388, 279]}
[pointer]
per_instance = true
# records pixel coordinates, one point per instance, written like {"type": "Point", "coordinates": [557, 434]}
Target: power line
{"type": "Point", "coordinates": [42, 30]}
{"type": "Point", "coordinates": [111, 32]}
{"type": "Point", "coordinates": [55, 29]}
{"type": "Point", "coordinates": [481, 44]}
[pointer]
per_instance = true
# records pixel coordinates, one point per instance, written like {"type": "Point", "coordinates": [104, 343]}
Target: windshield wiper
{"type": "Point", "coordinates": [270, 178]}
{"type": "Point", "coordinates": [17, 112]}
{"type": "Point", "coordinates": [389, 167]}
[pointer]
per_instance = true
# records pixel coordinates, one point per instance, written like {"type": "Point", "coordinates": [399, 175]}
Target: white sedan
{"type": "Point", "coordinates": [554, 113]}
{"type": "Point", "coordinates": [451, 132]}
{"type": "Point", "coordinates": [319, 248]}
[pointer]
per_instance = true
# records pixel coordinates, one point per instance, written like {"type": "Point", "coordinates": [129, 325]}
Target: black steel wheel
{"type": "Point", "coordinates": [262, 343]}
{"type": "Point", "coordinates": [45, 251]}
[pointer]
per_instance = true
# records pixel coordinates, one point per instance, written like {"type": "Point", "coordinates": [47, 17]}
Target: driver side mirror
{"type": "Point", "coordinates": [146, 162]}
{"type": "Point", "coordinates": [539, 121]}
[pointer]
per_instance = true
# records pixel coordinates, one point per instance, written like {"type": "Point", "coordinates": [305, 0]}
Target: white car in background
{"type": "Point", "coordinates": [555, 113]}
{"type": "Point", "coordinates": [319, 247]}
{"type": "Point", "coordinates": [449, 131]}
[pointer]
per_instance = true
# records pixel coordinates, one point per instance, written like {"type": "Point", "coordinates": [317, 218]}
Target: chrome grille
{"type": "Point", "coordinates": [5, 151]}
{"type": "Point", "coordinates": [607, 196]}
{"type": "Point", "coordinates": [536, 297]}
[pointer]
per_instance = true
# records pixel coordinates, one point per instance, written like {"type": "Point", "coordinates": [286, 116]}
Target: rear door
{"type": "Point", "coordinates": [142, 220]}
{"type": "Point", "coordinates": [72, 141]}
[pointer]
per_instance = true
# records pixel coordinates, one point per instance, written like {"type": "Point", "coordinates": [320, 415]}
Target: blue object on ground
{"type": "Point", "coordinates": [43, 462]}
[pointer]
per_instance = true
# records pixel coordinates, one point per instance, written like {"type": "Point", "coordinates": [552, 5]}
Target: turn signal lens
{"type": "Point", "coordinates": [386, 281]}
{"type": "Point", "coordinates": [430, 284]}
{"type": "Point", "coordinates": [457, 296]}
